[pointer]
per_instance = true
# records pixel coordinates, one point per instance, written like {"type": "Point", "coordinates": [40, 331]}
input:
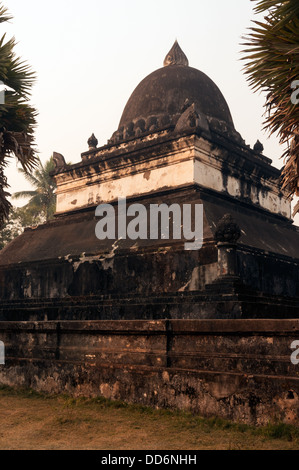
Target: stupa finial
{"type": "Point", "coordinates": [175, 56]}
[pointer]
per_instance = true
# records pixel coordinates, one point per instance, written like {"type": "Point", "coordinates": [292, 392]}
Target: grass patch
{"type": "Point", "coordinates": [25, 392]}
{"type": "Point", "coordinates": [280, 431]}
{"type": "Point", "coordinates": [35, 420]}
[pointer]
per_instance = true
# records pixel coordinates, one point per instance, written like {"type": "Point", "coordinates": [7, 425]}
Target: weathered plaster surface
{"type": "Point", "coordinates": [142, 182]}
{"type": "Point", "coordinates": [238, 369]}
{"type": "Point", "coordinates": [181, 162]}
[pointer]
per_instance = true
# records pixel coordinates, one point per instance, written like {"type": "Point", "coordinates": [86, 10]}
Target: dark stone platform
{"type": "Point", "coordinates": [44, 273]}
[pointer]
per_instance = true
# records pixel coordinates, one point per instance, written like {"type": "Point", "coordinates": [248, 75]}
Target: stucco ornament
{"type": "Point", "coordinates": [227, 230]}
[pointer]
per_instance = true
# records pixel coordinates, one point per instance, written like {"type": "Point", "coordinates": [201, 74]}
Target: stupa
{"type": "Point", "coordinates": [176, 144]}
{"type": "Point", "coordinates": [143, 319]}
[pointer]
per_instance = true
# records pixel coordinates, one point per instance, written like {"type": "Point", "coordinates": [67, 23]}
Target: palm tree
{"type": "Point", "coordinates": [272, 66]}
{"type": "Point", "coordinates": [17, 117]}
{"type": "Point", "coordinates": [42, 198]}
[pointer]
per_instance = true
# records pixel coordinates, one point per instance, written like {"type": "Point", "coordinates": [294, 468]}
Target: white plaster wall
{"type": "Point", "coordinates": [140, 183]}
{"type": "Point", "coordinates": [208, 176]}
{"type": "Point", "coordinates": [187, 163]}
{"type": "Point", "coordinates": [211, 177]}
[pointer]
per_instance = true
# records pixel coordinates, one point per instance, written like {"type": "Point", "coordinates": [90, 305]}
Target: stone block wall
{"type": "Point", "coordinates": [236, 369]}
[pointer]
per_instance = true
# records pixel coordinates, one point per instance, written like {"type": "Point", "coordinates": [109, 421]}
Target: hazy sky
{"type": "Point", "coordinates": [90, 55]}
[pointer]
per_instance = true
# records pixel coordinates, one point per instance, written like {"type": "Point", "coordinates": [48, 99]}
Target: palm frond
{"type": "Point", "coordinates": [272, 65]}
{"type": "Point", "coordinates": [17, 117]}
{"type": "Point", "coordinates": [42, 198]}
{"type": "Point", "coordinates": [4, 15]}
{"type": "Point", "coordinates": [23, 194]}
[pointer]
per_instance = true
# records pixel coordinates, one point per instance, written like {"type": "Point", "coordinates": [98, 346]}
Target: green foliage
{"type": "Point", "coordinates": [17, 117]}
{"type": "Point", "coordinates": [19, 218]}
{"type": "Point", "coordinates": [39, 209]}
{"type": "Point", "coordinates": [280, 431]}
{"type": "Point", "coordinates": [11, 229]}
{"type": "Point", "coordinates": [42, 201]}
{"type": "Point", "coordinates": [272, 56]}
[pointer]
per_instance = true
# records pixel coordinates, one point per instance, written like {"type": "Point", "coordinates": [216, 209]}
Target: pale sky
{"type": "Point", "coordinates": [89, 56]}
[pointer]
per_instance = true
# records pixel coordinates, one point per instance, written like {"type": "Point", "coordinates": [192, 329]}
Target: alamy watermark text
{"type": "Point", "coordinates": [135, 221]}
